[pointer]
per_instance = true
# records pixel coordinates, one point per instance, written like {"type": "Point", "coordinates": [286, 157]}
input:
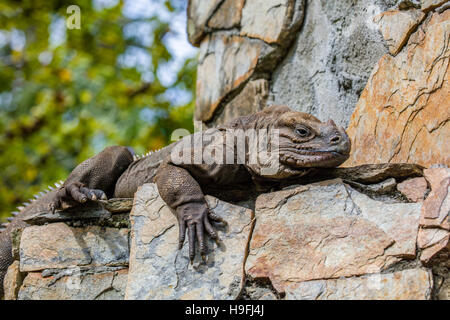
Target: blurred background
{"type": "Point", "coordinates": [126, 77]}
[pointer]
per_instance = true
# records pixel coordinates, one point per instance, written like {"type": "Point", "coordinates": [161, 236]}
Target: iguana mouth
{"type": "Point", "coordinates": [311, 158]}
{"type": "Point", "coordinates": [313, 152]}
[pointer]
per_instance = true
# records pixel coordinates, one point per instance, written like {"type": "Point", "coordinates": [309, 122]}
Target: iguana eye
{"type": "Point", "coordinates": [303, 132]}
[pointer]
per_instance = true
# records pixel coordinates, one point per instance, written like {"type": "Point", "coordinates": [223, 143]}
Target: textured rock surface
{"type": "Point", "coordinates": [159, 271]}
{"type": "Point", "coordinates": [78, 286]}
{"type": "Point", "coordinates": [444, 288]}
{"type": "Point", "coordinates": [240, 43]}
{"type": "Point", "coordinates": [436, 207]}
{"type": "Point", "coordinates": [434, 234]}
{"type": "Point", "coordinates": [396, 27]}
{"type": "Point", "coordinates": [435, 175]}
{"type": "Point", "coordinates": [408, 4]}
{"type": "Point", "coordinates": [436, 250]}
{"type": "Point", "coordinates": [413, 189]}
{"type": "Point", "coordinates": [371, 173]}
{"type": "Point", "coordinates": [331, 59]}
{"type": "Point", "coordinates": [415, 284]}
{"type": "Point", "coordinates": [270, 20]}
{"type": "Point", "coordinates": [199, 12]}
{"type": "Point", "coordinates": [13, 281]}
{"type": "Point", "coordinates": [59, 246]}
{"type": "Point", "coordinates": [228, 15]}
{"type": "Point", "coordinates": [341, 232]}
{"type": "Point", "coordinates": [430, 237]}
{"type": "Point", "coordinates": [402, 114]}
{"type": "Point", "coordinates": [102, 210]}
{"type": "Point", "coordinates": [251, 99]}
{"type": "Point", "coordinates": [431, 4]}
{"type": "Point", "coordinates": [225, 63]}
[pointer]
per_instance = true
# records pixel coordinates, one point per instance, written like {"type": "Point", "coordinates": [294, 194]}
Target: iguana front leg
{"type": "Point", "coordinates": [93, 179]}
{"type": "Point", "coordinates": [183, 194]}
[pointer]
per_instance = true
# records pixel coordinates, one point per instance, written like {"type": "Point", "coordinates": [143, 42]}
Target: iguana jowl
{"type": "Point", "coordinates": [304, 143]}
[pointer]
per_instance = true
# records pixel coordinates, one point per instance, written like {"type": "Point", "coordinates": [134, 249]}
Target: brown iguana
{"type": "Point", "coordinates": [303, 143]}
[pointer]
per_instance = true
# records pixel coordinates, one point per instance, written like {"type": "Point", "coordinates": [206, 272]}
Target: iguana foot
{"type": "Point", "coordinates": [74, 193]}
{"type": "Point", "coordinates": [196, 217]}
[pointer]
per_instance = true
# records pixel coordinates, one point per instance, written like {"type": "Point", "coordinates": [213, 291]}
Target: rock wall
{"type": "Point", "coordinates": [369, 233]}
{"type": "Point", "coordinates": [74, 255]}
{"type": "Point", "coordinates": [328, 66]}
{"type": "Point", "coordinates": [239, 49]}
{"type": "Point", "coordinates": [403, 113]}
{"type": "Point", "coordinates": [378, 68]}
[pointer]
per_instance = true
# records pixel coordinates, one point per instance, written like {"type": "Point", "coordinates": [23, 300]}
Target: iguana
{"type": "Point", "coordinates": [303, 143]}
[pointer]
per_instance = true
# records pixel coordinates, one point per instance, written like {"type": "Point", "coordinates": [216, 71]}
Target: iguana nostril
{"type": "Point", "coordinates": [335, 139]}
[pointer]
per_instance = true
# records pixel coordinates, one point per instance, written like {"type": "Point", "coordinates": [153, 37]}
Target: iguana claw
{"type": "Point", "coordinates": [216, 218]}
{"type": "Point", "coordinates": [195, 218]}
{"type": "Point", "coordinates": [72, 194]}
{"type": "Point", "coordinates": [52, 207]}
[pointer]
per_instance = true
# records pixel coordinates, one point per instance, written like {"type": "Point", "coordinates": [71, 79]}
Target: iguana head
{"type": "Point", "coordinates": [305, 141]}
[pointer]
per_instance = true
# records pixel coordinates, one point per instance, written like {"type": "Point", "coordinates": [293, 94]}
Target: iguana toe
{"type": "Point", "coordinates": [52, 207]}
{"type": "Point", "coordinates": [216, 218]}
{"type": "Point", "coordinates": [99, 194]}
{"type": "Point", "coordinates": [191, 238]}
{"type": "Point", "coordinates": [70, 195]}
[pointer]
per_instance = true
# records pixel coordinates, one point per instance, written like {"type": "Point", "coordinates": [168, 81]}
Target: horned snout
{"type": "Point", "coordinates": [339, 138]}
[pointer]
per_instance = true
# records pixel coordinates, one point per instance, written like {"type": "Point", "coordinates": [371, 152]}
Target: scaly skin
{"type": "Point", "coordinates": [304, 143]}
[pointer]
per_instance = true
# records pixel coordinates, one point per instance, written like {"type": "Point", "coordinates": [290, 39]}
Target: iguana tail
{"type": "Point", "coordinates": [40, 202]}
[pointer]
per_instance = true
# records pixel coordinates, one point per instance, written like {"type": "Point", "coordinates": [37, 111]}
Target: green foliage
{"type": "Point", "coordinates": [67, 94]}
